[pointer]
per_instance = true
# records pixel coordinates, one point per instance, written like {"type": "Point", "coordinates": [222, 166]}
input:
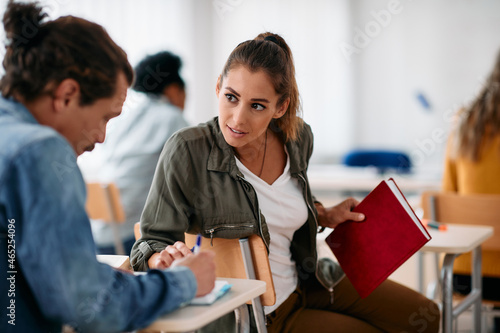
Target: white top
{"type": "Point", "coordinates": [285, 210]}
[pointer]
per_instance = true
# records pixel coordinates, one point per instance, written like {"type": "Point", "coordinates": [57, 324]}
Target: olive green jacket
{"type": "Point", "coordinates": [197, 188]}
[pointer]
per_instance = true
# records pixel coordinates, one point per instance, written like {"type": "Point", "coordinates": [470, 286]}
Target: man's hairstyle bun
{"type": "Point", "coordinates": [22, 23]}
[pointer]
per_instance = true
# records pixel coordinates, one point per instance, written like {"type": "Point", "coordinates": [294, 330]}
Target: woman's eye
{"type": "Point", "coordinates": [258, 107]}
{"type": "Point", "coordinates": [231, 97]}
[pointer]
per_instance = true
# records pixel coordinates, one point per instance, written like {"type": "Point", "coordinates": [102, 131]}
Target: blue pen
{"type": "Point", "coordinates": [196, 247]}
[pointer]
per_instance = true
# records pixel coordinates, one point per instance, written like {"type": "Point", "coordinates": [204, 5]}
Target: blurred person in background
{"type": "Point", "coordinates": [131, 151]}
{"type": "Point", "coordinates": [472, 166]}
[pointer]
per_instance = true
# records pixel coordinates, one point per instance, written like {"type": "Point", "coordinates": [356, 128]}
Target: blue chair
{"type": "Point", "coordinates": [383, 160]}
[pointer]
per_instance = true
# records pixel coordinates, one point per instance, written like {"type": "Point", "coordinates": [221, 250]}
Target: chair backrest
{"type": "Point", "coordinates": [229, 261]}
{"type": "Point", "coordinates": [137, 230]}
{"type": "Point", "coordinates": [449, 207]}
{"type": "Point", "coordinates": [103, 202]}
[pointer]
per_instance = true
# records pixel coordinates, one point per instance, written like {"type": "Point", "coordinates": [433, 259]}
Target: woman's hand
{"type": "Point", "coordinates": [165, 258]}
{"type": "Point", "coordinates": [333, 216]}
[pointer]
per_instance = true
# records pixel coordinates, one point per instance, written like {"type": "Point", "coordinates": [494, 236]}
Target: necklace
{"type": "Point", "coordinates": [264, 157]}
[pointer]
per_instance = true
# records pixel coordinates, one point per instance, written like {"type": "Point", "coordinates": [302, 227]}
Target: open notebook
{"type": "Point", "coordinates": [221, 287]}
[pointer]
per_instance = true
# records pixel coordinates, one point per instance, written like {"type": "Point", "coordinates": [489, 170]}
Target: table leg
{"type": "Point", "coordinates": [473, 298]}
{"type": "Point", "coordinates": [242, 319]}
{"type": "Point", "coordinates": [421, 272]}
{"type": "Point", "coordinates": [447, 278]}
{"type": "Point", "coordinates": [477, 286]}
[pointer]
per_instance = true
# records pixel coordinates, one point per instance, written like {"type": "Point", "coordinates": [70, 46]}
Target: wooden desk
{"type": "Point", "coordinates": [339, 178]}
{"type": "Point", "coordinates": [456, 240]}
{"type": "Point", "coordinates": [193, 317]}
{"type": "Point", "coordinates": [116, 261]}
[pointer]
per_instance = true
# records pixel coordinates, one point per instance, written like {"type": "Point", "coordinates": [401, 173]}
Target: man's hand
{"type": "Point", "coordinates": [203, 267]}
{"type": "Point", "coordinates": [333, 216]}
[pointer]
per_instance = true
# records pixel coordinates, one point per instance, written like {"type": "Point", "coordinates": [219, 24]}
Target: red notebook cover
{"type": "Point", "coordinates": [371, 250]}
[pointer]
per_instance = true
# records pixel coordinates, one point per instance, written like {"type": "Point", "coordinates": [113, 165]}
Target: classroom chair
{"type": "Point", "coordinates": [244, 258]}
{"type": "Point", "coordinates": [482, 209]}
{"type": "Point", "coordinates": [382, 160]}
{"type": "Point", "coordinates": [103, 203]}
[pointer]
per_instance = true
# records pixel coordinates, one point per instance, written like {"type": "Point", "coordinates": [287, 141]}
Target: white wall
{"type": "Point", "coordinates": [442, 49]}
{"type": "Point", "coordinates": [312, 29]}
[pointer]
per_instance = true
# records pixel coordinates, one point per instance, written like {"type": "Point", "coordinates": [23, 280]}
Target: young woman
{"type": "Point", "coordinates": [473, 155]}
{"type": "Point", "coordinates": [245, 172]}
{"type": "Point", "coordinates": [472, 165]}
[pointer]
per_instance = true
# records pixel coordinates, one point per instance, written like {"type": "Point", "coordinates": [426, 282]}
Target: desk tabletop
{"type": "Point", "coordinates": [116, 261]}
{"type": "Point", "coordinates": [340, 178]}
{"type": "Point", "coordinates": [193, 317]}
{"type": "Point", "coordinates": [458, 238]}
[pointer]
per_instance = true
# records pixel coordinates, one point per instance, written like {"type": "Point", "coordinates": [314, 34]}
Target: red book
{"type": "Point", "coordinates": [371, 250]}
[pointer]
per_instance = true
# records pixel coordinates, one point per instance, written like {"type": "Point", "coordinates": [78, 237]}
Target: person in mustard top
{"type": "Point", "coordinates": [472, 166]}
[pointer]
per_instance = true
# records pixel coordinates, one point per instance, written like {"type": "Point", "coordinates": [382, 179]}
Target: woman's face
{"type": "Point", "coordinates": [247, 104]}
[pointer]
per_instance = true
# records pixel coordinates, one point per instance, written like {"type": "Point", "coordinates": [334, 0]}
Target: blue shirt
{"type": "Point", "coordinates": [48, 268]}
{"type": "Point", "coordinates": [130, 154]}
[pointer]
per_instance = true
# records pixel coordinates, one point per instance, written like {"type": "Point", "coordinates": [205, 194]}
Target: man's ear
{"type": "Point", "coordinates": [282, 109]}
{"type": "Point", "coordinates": [217, 87]}
{"type": "Point", "coordinates": [66, 94]}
